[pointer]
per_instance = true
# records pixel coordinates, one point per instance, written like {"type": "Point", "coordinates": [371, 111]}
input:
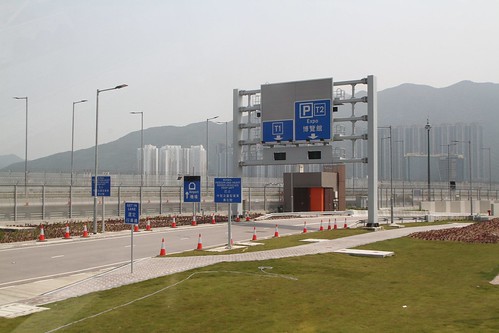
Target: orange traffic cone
{"type": "Point", "coordinates": [335, 225]}
{"type": "Point", "coordinates": [194, 223]}
{"type": "Point", "coordinates": [213, 218]}
{"type": "Point", "coordinates": [238, 219]}
{"type": "Point", "coordinates": [174, 222]}
{"type": "Point", "coordinates": [66, 234]}
{"type": "Point", "coordinates": [276, 232]}
{"type": "Point", "coordinates": [148, 225]}
{"type": "Point", "coordinates": [329, 225]}
{"type": "Point", "coordinates": [136, 228]}
{"type": "Point", "coordinates": [321, 228]}
{"type": "Point", "coordinates": [345, 225]}
{"type": "Point", "coordinates": [162, 252]}
{"type": "Point", "coordinates": [41, 238]}
{"type": "Point", "coordinates": [254, 234]}
{"type": "Point", "coordinates": [85, 231]}
{"type": "Point", "coordinates": [247, 217]}
{"type": "Point", "coordinates": [200, 243]}
{"type": "Point", "coordinates": [305, 227]}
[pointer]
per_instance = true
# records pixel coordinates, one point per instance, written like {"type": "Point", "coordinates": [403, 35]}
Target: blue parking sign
{"type": "Point", "coordinates": [313, 120]}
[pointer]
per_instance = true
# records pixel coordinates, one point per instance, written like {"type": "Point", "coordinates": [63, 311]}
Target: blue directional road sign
{"type": "Point", "coordinates": [132, 212]}
{"type": "Point", "coordinates": [277, 130]}
{"type": "Point", "coordinates": [103, 186]}
{"type": "Point", "coordinates": [228, 190]}
{"type": "Point", "coordinates": [313, 120]}
{"type": "Point", "coordinates": [192, 188]}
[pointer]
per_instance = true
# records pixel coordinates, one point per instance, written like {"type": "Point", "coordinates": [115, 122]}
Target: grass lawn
{"type": "Point", "coordinates": [279, 243]}
{"type": "Point", "coordinates": [428, 286]}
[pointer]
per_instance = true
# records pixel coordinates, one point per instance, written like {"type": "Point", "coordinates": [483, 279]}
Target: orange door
{"type": "Point", "coordinates": [316, 199]}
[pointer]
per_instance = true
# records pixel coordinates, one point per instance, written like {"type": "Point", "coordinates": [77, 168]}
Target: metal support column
{"type": "Point", "coordinates": [372, 143]}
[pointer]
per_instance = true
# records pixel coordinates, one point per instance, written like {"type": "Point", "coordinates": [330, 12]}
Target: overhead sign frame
{"type": "Point", "coordinates": [297, 112]}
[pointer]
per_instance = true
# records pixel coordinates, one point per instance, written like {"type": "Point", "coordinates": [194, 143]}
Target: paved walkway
{"type": "Point", "coordinates": [155, 267]}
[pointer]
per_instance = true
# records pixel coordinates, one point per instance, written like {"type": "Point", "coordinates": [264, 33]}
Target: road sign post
{"type": "Point", "coordinates": [132, 217]}
{"type": "Point", "coordinates": [228, 190]}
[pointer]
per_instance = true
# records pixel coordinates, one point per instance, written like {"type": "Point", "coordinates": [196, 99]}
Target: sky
{"type": "Point", "coordinates": [181, 59]}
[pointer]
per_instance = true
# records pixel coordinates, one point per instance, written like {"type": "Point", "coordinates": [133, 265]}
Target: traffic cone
{"type": "Point", "coordinates": [329, 225]}
{"type": "Point", "coordinates": [213, 218]}
{"type": "Point", "coordinates": [335, 225]}
{"type": "Point", "coordinates": [254, 234]}
{"type": "Point", "coordinates": [345, 225]}
{"type": "Point", "coordinates": [321, 228]}
{"type": "Point", "coordinates": [174, 222]}
{"type": "Point", "coordinates": [41, 238]}
{"type": "Point", "coordinates": [194, 223]}
{"type": "Point", "coordinates": [162, 252]}
{"type": "Point", "coordinates": [238, 219]}
{"type": "Point", "coordinates": [276, 232]}
{"type": "Point", "coordinates": [247, 217]}
{"type": "Point", "coordinates": [148, 225]}
{"type": "Point", "coordinates": [200, 243]}
{"type": "Point", "coordinates": [85, 231]}
{"type": "Point", "coordinates": [136, 228]}
{"type": "Point", "coordinates": [305, 227]}
{"type": "Point", "coordinates": [66, 234]}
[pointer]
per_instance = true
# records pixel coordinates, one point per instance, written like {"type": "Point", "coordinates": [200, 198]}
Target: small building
{"type": "Point", "coordinates": [315, 191]}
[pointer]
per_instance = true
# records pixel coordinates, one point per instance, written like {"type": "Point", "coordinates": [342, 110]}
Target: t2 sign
{"type": "Point", "coordinates": [313, 120]}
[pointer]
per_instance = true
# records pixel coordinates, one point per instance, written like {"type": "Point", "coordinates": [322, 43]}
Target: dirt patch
{"type": "Point", "coordinates": [480, 232]}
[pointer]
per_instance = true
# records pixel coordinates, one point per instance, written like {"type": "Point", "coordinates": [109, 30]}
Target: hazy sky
{"type": "Point", "coordinates": [181, 59]}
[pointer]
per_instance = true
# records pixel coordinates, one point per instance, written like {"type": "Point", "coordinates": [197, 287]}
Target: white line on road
{"type": "Point", "coordinates": [59, 256]}
{"type": "Point", "coordinates": [111, 266]}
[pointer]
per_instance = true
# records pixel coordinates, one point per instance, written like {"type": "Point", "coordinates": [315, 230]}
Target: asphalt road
{"type": "Point", "coordinates": [31, 261]}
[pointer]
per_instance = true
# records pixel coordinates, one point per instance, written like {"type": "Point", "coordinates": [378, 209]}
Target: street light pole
{"type": "Point", "coordinates": [207, 152]}
{"type": "Point", "coordinates": [72, 158]}
{"type": "Point", "coordinates": [427, 128]}
{"type": "Point", "coordinates": [391, 171]}
{"type": "Point", "coordinates": [402, 173]}
{"type": "Point", "coordinates": [448, 165]}
{"type": "Point", "coordinates": [141, 152]}
{"type": "Point", "coordinates": [226, 147]}
{"type": "Point", "coordinates": [97, 152]}
{"type": "Point", "coordinates": [25, 148]}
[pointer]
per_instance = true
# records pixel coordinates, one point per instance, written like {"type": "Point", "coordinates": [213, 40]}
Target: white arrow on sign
{"type": "Point", "coordinates": [186, 194]}
{"type": "Point", "coordinates": [313, 136]}
{"type": "Point", "coordinates": [278, 138]}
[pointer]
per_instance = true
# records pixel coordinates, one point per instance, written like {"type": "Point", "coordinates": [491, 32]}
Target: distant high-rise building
{"type": "Point", "coordinates": [150, 163]}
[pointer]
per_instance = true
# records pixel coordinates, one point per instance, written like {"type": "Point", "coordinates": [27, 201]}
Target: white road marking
{"type": "Point", "coordinates": [59, 256]}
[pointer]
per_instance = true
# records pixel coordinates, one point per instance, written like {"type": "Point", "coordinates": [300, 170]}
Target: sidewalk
{"type": "Point", "coordinates": [155, 267]}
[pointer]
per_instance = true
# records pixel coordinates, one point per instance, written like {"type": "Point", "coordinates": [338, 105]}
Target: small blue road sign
{"type": "Point", "coordinates": [228, 190]}
{"type": "Point", "coordinates": [132, 212]}
{"type": "Point", "coordinates": [103, 186]}
{"type": "Point", "coordinates": [313, 120]}
{"type": "Point", "coordinates": [192, 188]}
{"type": "Point", "coordinates": [277, 130]}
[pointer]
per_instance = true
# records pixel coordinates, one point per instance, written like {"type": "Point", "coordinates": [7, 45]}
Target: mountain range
{"type": "Point", "coordinates": [406, 104]}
